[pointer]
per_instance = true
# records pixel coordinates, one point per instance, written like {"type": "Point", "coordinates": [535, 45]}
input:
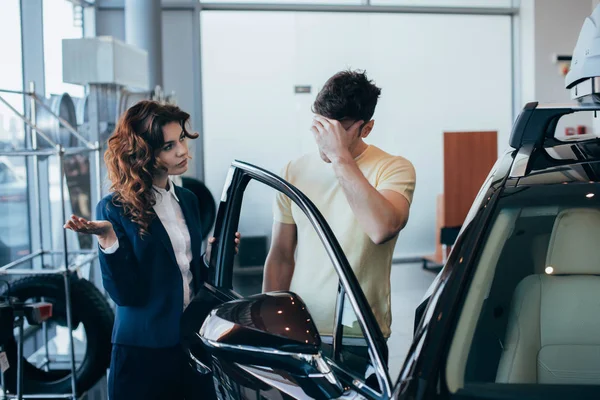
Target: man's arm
{"type": "Point", "coordinates": [380, 214]}
{"type": "Point", "coordinates": [280, 263]}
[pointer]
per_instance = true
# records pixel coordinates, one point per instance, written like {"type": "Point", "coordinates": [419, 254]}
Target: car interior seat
{"type": "Point", "coordinates": [553, 333]}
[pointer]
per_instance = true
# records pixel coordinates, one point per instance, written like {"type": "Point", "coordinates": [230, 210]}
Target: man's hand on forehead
{"type": "Point", "coordinates": [332, 138]}
{"type": "Point", "coordinates": [349, 125]}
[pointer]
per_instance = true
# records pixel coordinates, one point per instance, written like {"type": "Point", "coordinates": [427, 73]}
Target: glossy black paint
{"type": "Point", "coordinates": [269, 337]}
{"type": "Point", "coordinates": [276, 320]}
{"type": "Point", "coordinates": [537, 123]}
{"type": "Point", "coordinates": [196, 312]}
{"type": "Point", "coordinates": [238, 381]}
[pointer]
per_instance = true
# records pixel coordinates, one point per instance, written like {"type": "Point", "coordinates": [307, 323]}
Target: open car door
{"type": "Point", "coordinates": [266, 345]}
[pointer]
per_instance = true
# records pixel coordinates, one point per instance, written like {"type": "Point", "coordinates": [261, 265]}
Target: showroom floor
{"type": "Point", "coordinates": [409, 284]}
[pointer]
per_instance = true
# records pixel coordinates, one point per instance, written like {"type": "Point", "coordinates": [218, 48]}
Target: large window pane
{"type": "Point", "coordinates": [320, 2]}
{"type": "Point", "coordinates": [416, 3]}
{"type": "Point", "coordinates": [14, 211]}
{"type": "Point", "coordinates": [14, 224]}
{"type": "Point", "coordinates": [449, 3]}
{"type": "Point", "coordinates": [61, 21]}
{"type": "Point", "coordinates": [11, 76]}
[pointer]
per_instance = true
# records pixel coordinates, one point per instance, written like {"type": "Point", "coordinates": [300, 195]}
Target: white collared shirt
{"type": "Point", "coordinates": [169, 212]}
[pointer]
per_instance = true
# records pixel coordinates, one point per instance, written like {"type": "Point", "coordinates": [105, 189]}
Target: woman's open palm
{"type": "Point", "coordinates": [81, 225]}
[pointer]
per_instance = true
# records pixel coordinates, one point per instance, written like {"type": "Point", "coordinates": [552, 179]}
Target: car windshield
{"type": "Point", "coordinates": [531, 316]}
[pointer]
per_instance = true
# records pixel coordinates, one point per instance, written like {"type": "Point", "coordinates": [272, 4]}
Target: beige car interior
{"type": "Point", "coordinates": [536, 291]}
{"type": "Point", "coordinates": [553, 333]}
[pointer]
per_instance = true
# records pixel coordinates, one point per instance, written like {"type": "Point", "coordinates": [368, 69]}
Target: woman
{"type": "Point", "coordinates": [149, 235]}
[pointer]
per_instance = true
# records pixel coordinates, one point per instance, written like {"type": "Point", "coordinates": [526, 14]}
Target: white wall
{"type": "Point", "coordinates": [550, 27]}
{"type": "Point", "coordinates": [526, 56]}
{"type": "Point", "coordinates": [438, 73]}
{"type": "Point", "coordinates": [557, 26]}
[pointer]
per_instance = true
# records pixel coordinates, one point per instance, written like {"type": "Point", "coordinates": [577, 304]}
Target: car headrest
{"type": "Point", "coordinates": [574, 247]}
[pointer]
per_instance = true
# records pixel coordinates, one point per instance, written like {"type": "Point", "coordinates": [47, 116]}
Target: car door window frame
{"type": "Point", "coordinates": [223, 252]}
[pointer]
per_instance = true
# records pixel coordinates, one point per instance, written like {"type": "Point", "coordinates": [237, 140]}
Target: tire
{"type": "Point", "coordinates": [90, 308]}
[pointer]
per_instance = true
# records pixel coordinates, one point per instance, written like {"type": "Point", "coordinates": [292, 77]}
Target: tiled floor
{"type": "Point", "coordinates": [409, 284]}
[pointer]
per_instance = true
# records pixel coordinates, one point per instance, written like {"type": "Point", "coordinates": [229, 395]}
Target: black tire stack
{"type": "Point", "coordinates": [90, 308]}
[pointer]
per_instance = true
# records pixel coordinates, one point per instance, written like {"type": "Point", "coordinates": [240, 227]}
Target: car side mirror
{"type": "Point", "coordinates": [268, 332]}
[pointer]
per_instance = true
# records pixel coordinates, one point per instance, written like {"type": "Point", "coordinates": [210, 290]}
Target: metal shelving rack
{"type": "Point", "coordinates": [66, 269]}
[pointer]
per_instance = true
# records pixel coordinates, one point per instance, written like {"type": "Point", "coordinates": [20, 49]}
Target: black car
{"type": "Point", "coordinates": [514, 314]}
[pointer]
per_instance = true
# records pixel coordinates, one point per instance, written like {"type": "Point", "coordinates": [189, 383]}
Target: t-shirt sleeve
{"type": "Point", "coordinates": [282, 207]}
{"type": "Point", "coordinates": [398, 175]}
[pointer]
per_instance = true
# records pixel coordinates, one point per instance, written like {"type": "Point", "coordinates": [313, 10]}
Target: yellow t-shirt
{"type": "Point", "coordinates": [314, 278]}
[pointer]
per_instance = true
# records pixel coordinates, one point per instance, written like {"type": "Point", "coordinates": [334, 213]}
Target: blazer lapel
{"type": "Point", "coordinates": [157, 229]}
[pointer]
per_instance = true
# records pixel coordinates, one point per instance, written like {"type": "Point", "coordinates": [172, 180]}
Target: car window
{"type": "Point", "coordinates": [529, 314]}
{"type": "Point", "coordinates": [311, 283]}
{"type": "Point", "coordinates": [317, 285]}
{"type": "Point", "coordinates": [248, 268]}
{"type": "Point", "coordinates": [353, 350]}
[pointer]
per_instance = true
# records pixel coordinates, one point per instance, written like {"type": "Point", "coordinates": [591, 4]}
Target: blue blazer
{"type": "Point", "coordinates": [143, 277]}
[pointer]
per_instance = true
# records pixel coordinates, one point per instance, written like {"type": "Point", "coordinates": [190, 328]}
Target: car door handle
{"type": "Point", "coordinates": [198, 365]}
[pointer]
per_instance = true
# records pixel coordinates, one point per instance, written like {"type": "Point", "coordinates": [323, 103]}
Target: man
{"type": "Point", "coordinates": [364, 194]}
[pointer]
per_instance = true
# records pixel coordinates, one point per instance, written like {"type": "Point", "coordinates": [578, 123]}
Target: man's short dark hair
{"type": "Point", "coordinates": [348, 95]}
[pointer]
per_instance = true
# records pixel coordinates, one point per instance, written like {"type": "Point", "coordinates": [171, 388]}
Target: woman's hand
{"type": "Point", "coordinates": [103, 229]}
{"type": "Point", "coordinates": [238, 236]}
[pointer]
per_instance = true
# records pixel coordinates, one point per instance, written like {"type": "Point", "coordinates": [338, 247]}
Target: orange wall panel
{"type": "Point", "coordinates": [468, 159]}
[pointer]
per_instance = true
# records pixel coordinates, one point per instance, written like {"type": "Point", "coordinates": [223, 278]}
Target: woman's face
{"type": "Point", "coordinates": [174, 152]}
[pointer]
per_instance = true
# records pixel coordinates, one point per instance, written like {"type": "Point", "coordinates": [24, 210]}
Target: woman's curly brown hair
{"type": "Point", "coordinates": [131, 157]}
